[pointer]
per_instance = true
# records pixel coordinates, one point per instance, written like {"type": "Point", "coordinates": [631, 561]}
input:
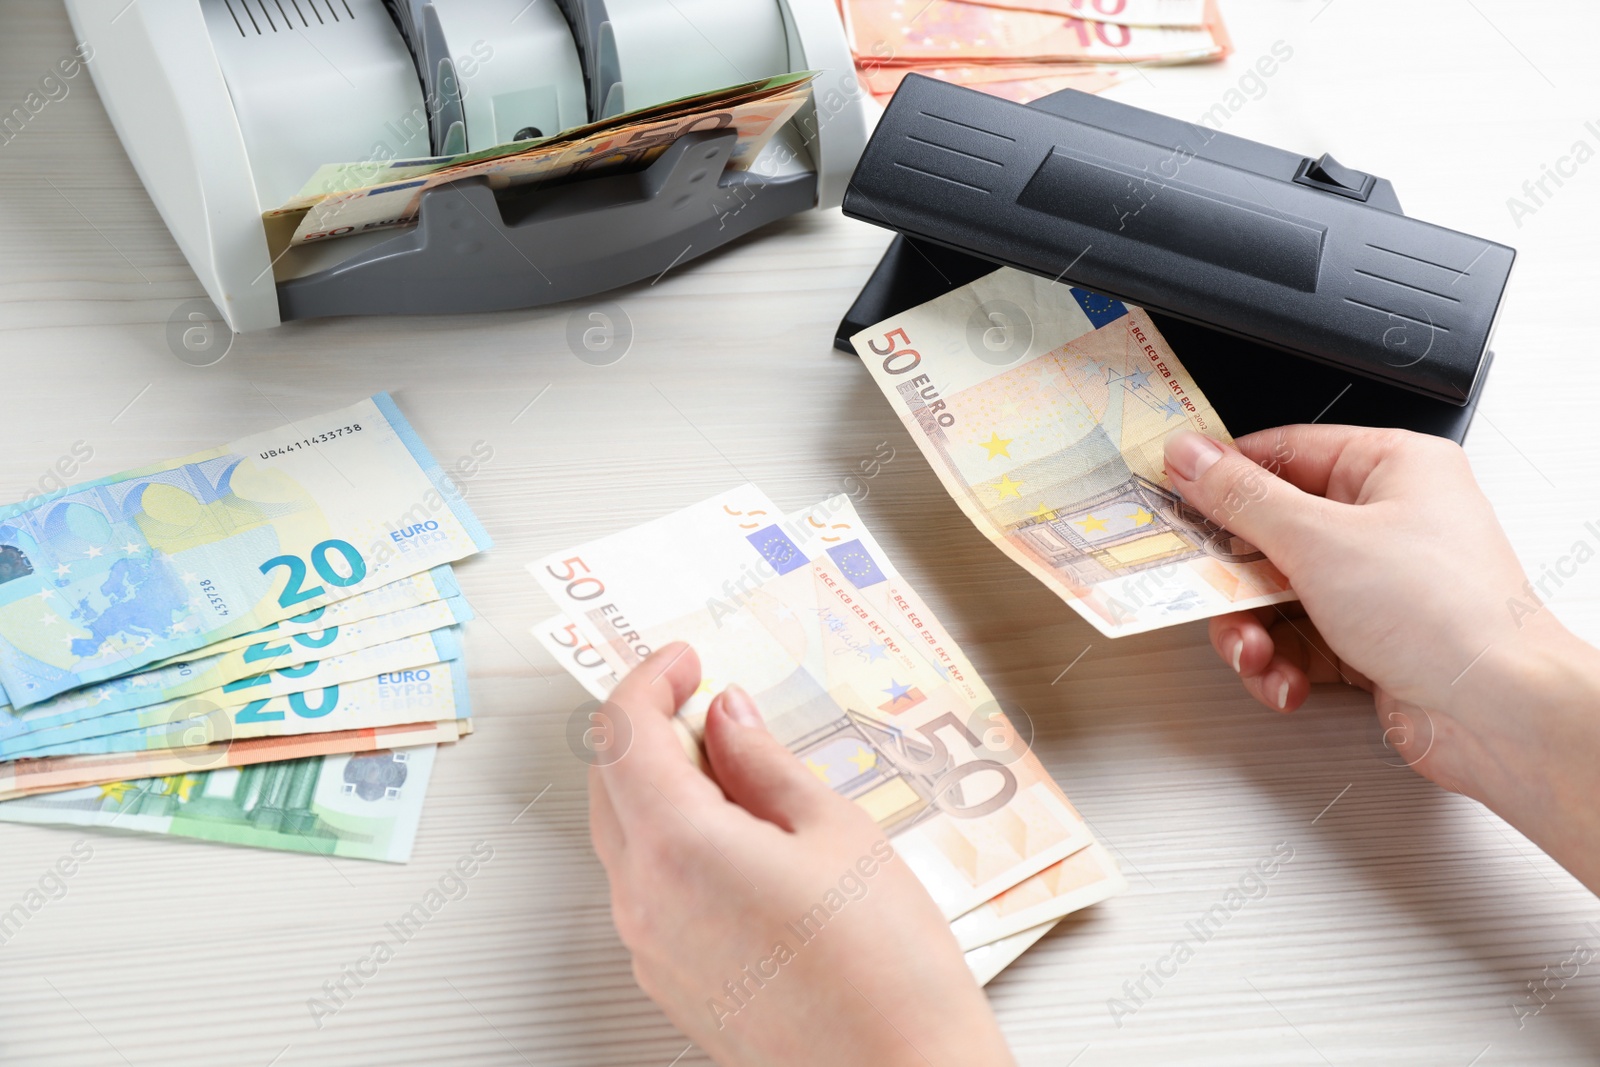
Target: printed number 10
{"type": "Point", "coordinates": [1113, 34]}
{"type": "Point", "coordinates": [295, 590]}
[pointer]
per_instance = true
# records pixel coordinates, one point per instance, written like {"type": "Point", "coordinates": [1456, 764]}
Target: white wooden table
{"type": "Point", "coordinates": [1405, 928]}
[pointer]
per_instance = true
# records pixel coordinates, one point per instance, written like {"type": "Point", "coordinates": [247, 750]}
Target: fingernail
{"type": "Point", "coordinates": [1283, 695]}
{"type": "Point", "coordinates": [1189, 455]}
{"type": "Point", "coordinates": [1234, 643]}
{"type": "Point", "coordinates": [741, 709]}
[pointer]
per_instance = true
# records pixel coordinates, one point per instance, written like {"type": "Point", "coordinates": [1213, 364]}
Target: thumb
{"type": "Point", "coordinates": [756, 771]}
{"type": "Point", "coordinates": [1241, 496]}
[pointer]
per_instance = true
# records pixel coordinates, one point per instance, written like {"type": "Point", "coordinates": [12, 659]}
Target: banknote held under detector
{"type": "Point", "coordinates": [1293, 287]}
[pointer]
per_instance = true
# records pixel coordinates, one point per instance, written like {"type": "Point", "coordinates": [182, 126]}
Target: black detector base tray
{"type": "Point", "coordinates": [1252, 387]}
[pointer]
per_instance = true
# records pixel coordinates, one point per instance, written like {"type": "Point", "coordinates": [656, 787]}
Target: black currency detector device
{"type": "Point", "coordinates": [1293, 288]}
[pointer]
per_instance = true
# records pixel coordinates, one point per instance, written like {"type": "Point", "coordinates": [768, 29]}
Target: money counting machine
{"type": "Point", "coordinates": [1293, 288]}
{"type": "Point", "coordinates": [227, 107]}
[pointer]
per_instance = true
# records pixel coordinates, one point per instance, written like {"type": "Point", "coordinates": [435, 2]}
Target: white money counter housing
{"type": "Point", "coordinates": [226, 107]}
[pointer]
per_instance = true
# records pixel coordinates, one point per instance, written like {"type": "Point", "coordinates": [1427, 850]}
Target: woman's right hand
{"type": "Point", "coordinates": [1408, 587]}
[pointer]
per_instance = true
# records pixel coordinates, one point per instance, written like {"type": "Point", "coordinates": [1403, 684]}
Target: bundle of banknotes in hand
{"type": "Point", "coordinates": [258, 644]}
{"type": "Point", "coordinates": [1025, 49]}
{"type": "Point", "coordinates": [859, 678]}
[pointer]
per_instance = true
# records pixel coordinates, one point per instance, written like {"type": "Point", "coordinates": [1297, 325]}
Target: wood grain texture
{"type": "Point", "coordinates": [1403, 930]}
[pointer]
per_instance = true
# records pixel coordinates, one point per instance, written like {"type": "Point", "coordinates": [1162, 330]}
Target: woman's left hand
{"type": "Point", "coordinates": [769, 917]}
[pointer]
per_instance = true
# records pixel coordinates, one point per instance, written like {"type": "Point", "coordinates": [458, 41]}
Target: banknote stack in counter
{"type": "Point", "coordinates": [258, 644]}
{"type": "Point", "coordinates": [342, 199]}
{"type": "Point", "coordinates": [1025, 49]}
{"type": "Point", "coordinates": [857, 676]}
{"type": "Point", "coordinates": [1043, 409]}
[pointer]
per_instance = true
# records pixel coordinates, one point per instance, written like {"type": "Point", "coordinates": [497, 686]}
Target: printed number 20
{"type": "Point", "coordinates": [298, 703]}
{"type": "Point", "coordinates": [295, 590]}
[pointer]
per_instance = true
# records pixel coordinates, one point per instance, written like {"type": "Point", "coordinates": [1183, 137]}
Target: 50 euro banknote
{"type": "Point", "coordinates": [867, 713]}
{"type": "Point", "coordinates": [1043, 409]}
{"type": "Point", "coordinates": [104, 580]}
{"type": "Point", "coordinates": [570, 648]}
{"type": "Point", "coordinates": [1087, 876]}
{"type": "Point", "coordinates": [988, 933]}
{"type": "Point", "coordinates": [832, 524]}
{"type": "Point", "coordinates": [1083, 878]}
{"type": "Point", "coordinates": [987, 961]}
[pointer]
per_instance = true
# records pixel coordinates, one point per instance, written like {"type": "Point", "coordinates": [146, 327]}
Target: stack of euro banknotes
{"type": "Point", "coordinates": [1045, 424]}
{"type": "Point", "coordinates": [857, 675]}
{"type": "Point", "coordinates": [257, 644]}
{"type": "Point", "coordinates": [1025, 49]}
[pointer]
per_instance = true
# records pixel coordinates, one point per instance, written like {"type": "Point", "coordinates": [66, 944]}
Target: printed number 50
{"type": "Point", "coordinates": [894, 357]}
{"type": "Point", "coordinates": [580, 586]}
{"type": "Point", "coordinates": [295, 590]}
{"type": "Point", "coordinates": [948, 794]}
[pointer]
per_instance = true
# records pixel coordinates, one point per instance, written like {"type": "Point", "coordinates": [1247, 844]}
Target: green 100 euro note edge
{"type": "Point", "coordinates": [103, 580]}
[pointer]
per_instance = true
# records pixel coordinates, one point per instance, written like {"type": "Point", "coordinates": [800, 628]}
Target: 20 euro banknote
{"type": "Point", "coordinates": [103, 581]}
{"type": "Point", "coordinates": [391, 656]}
{"type": "Point", "coordinates": [430, 692]}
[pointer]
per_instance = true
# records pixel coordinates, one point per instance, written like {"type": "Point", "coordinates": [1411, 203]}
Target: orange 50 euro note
{"type": "Point", "coordinates": [1043, 409]}
{"type": "Point", "coordinates": [842, 686]}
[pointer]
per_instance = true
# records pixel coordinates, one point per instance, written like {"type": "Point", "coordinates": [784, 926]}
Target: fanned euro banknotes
{"type": "Point", "coordinates": [258, 644]}
{"type": "Point", "coordinates": [229, 671]}
{"type": "Point", "coordinates": [122, 574]}
{"type": "Point", "coordinates": [231, 705]}
{"type": "Point", "coordinates": [429, 693]}
{"type": "Point", "coordinates": [857, 676]}
{"type": "Point", "coordinates": [1043, 409]}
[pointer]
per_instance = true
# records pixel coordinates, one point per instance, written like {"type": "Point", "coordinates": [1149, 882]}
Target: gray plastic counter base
{"type": "Point", "coordinates": [472, 250]}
